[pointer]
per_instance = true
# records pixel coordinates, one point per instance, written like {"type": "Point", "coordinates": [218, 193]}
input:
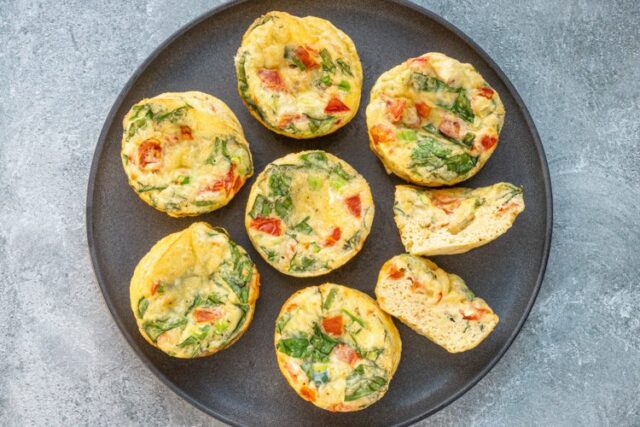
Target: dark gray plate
{"type": "Point", "coordinates": [242, 385]}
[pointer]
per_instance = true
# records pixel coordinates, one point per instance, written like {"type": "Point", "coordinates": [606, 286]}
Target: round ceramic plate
{"type": "Point", "coordinates": [242, 385]}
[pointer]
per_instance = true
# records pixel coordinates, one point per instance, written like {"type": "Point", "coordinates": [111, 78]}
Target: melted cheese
{"type": "Point", "coordinates": [433, 120]}
{"type": "Point", "coordinates": [336, 348]}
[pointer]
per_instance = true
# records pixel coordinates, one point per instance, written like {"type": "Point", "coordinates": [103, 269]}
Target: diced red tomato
{"type": "Point", "coordinates": [488, 141]}
{"type": "Point", "coordinates": [286, 119]}
{"type": "Point", "coordinates": [307, 393]}
{"type": "Point", "coordinates": [444, 202]}
{"type": "Point", "coordinates": [339, 407]}
{"type": "Point", "coordinates": [476, 313]}
{"type": "Point", "coordinates": [423, 109]}
{"type": "Point", "coordinates": [395, 106]}
{"type": "Point", "coordinates": [271, 226]}
{"type": "Point", "coordinates": [416, 286]}
{"type": "Point", "coordinates": [206, 314]}
{"type": "Point", "coordinates": [154, 287]}
{"type": "Point", "coordinates": [395, 273]}
{"type": "Point", "coordinates": [346, 354]}
{"type": "Point", "coordinates": [227, 183]}
{"type": "Point", "coordinates": [304, 56]}
{"type": "Point", "coordinates": [418, 61]}
{"type": "Point", "coordinates": [333, 325]}
{"type": "Point", "coordinates": [185, 132]}
{"type": "Point", "coordinates": [354, 205]}
{"type": "Point", "coordinates": [334, 237]}
{"type": "Point", "coordinates": [272, 79]}
{"type": "Point", "coordinates": [150, 154]}
{"type": "Point", "coordinates": [450, 128]}
{"type": "Point", "coordinates": [487, 92]}
{"type": "Point", "coordinates": [291, 307]}
{"type": "Point", "coordinates": [335, 106]}
{"type": "Point", "coordinates": [381, 133]}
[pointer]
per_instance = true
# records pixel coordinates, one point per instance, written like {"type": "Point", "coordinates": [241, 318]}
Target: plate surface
{"type": "Point", "coordinates": [242, 385]}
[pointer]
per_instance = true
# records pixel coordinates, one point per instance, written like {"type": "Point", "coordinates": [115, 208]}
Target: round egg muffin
{"type": "Point", "coordinates": [194, 292]}
{"type": "Point", "coordinates": [309, 213]}
{"type": "Point", "coordinates": [433, 120]}
{"type": "Point", "coordinates": [434, 303]}
{"type": "Point", "coordinates": [185, 153]}
{"type": "Point", "coordinates": [336, 348]}
{"type": "Point", "coordinates": [300, 77]}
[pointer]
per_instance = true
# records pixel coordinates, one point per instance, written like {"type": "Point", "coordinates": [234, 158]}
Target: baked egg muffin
{"type": "Point", "coordinates": [454, 220]}
{"type": "Point", "coordinates": [300, 77]}
{"type": "Point", "coordinates": [185, 153]}
{"type": "Point", "coordinates": [308, 213]}
{"type": "Point", "coordinates": [433, 120]}
{"type": "Point", "coordinates": [336, 348]}
{"type": "Point", "coordinates": [194, 292]}
{"type": "Point", "coordinates": [434, 303]}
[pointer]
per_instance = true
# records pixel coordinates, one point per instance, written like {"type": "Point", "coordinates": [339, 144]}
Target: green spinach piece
{"type": "Point", "coordinates": [327, 62]}
{"type": "Point", "coordinates": [422, 82]}
{"type": "Point", "coordinates": [329, 301]}
{"type": "Point", "coordinates": [462, 107]}
{"type": "Point", "coordinates": [174, 115]}
{"type": "Point", "coordinates": [300, 264]}
{"type": "Point", "coordinates": [363, 381]}
{"type": "Point", "coordinates": [461, 163]}
{"type": "Point", "coordinates": [143, 304]}
{"type": "Point", "coordinates": [282, 322]}
{"type": "Point", "coordinates": [290, 54]}
{"type": "Point", "coordinates": [344, 86]}
{"type": "Point", "coordinates": [283, 206]}
{"type": "Point", "coordinates": [261, 207]}
{"type": "Point", "coordinates": [315, 158]}
{"type": "Point", "coordinates": [354, 317]}
{"type": "Point", "coordinates": [303, 226]}
{"type": "Point", "coordinates": [294, 347]}
{"type": "Point", "coordinates": [196, 338]}
{"type": "Point", "coordinates": [317, 124]}
{"type": "Point", "coordinates": [154, 328]}
{"type": "Point", "coordinates": [429, 152]}
{"type": "Point", "coordinates": [146, 188]}
{"type": "Point", "coordinates": [279, 184]}
{"type": "Point", "coordinates": [344, 67]}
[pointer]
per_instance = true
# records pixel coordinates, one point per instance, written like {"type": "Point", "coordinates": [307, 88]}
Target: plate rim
{"type": "Point", "coordinates": [233, 3]}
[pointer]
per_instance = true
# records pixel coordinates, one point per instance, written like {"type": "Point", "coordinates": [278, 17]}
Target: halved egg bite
{"type": "Point", "coordinates": [454, 220]}
{"type": "Point", "coordinates": [434, 303]}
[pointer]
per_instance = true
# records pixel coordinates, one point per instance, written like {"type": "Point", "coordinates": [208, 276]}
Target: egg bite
{"type": "Point", "coordinates": [336, 348]}
{"type": "Point", "coordinates": [454, 220]}
{"type": "Point", "coordinates": [433, 120]}
{"type": "Point", "coordinates": [185, 153]}
{"type": "Point", "coordinates": [309, 213]}
{"type": "Point", "coordinates": [194, 293]}
{"type": "Point", "coordinates": [434, 303]}
{"type": "Point", "coordinates": [300, 77]}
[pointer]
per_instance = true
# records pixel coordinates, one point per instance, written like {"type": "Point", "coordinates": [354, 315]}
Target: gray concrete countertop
{"type": "Point", "coordinates": [575, 63]}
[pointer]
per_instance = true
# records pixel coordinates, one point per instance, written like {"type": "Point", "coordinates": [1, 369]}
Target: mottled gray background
{"type": "Point", "coordinates": [577, 66]}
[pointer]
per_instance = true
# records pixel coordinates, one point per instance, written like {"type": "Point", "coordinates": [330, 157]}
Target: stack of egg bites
{"type": "Point", "coordinates": [432, 121]}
